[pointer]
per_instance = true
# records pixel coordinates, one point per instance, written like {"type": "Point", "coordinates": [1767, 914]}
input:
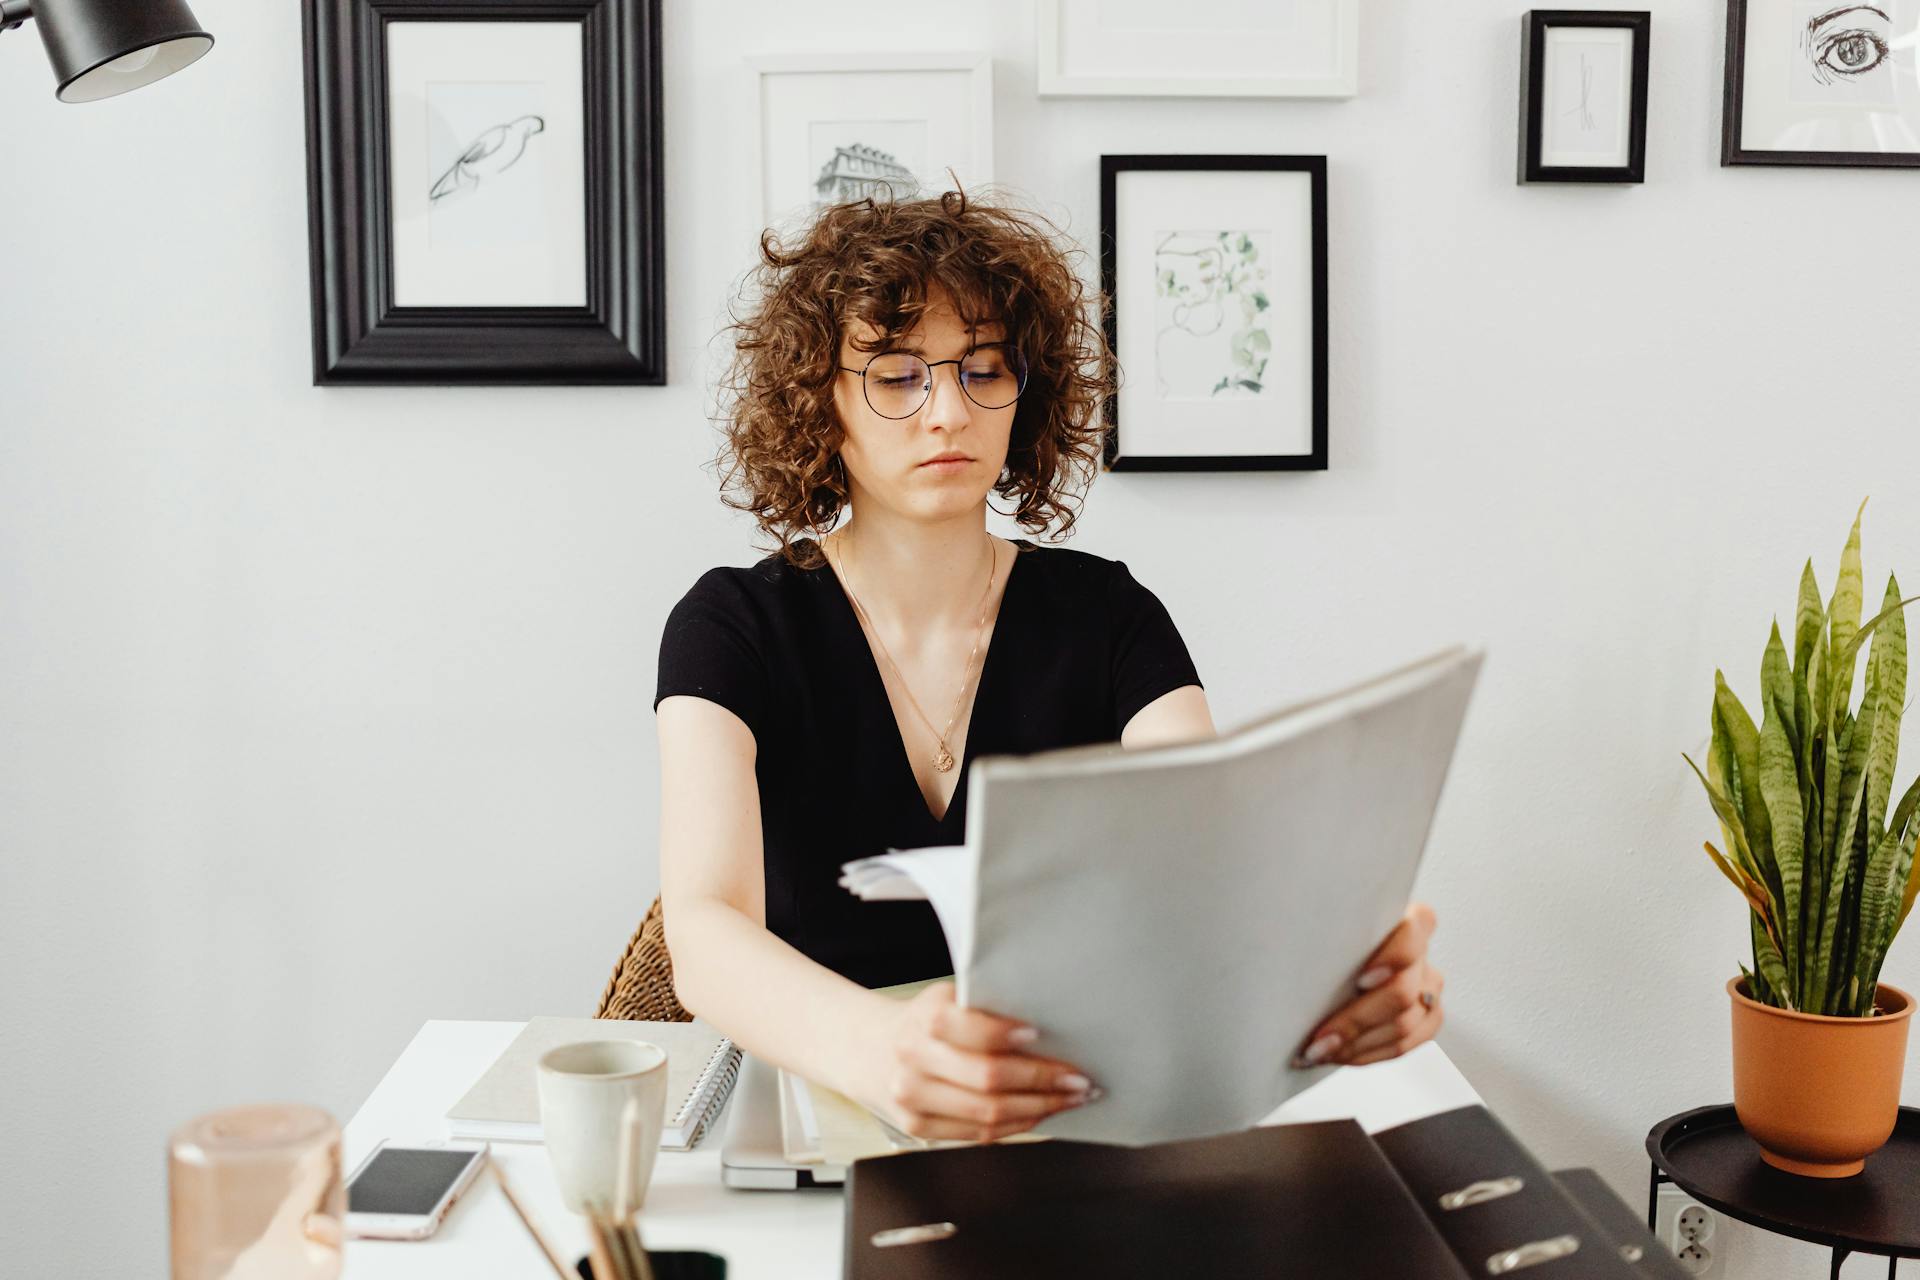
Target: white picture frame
{"type": "Point", "coordinates": [1223, 48]}
{"type": "Point", "coordinates": [873, 116]}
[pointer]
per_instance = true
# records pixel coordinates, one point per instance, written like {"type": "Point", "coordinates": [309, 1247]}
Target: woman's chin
{"type": "Point", "coordinates": [943, 501]}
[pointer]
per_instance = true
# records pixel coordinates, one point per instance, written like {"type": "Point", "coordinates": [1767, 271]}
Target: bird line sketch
{"type": "Point", "coordinates": [1585, 105]}
{"type": "Point", "coordinates": [487, 156]}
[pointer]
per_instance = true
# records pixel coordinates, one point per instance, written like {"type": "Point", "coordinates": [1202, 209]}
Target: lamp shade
{"type": "Point", "coordinates": [103, 47]}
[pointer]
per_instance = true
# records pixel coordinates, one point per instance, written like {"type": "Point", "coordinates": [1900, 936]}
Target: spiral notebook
{"type": "Point", "coordinates": [504, 1103]}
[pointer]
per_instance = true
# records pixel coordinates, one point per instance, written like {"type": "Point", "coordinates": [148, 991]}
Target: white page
{"type": "Point", "coordinates": [943, 875]}
{"type": "Point", "coordinates": [1176, 920]}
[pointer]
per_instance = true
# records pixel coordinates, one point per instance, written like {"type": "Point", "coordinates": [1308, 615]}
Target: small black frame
{"type": "Point", "coordinates": [359, 336]}
{"type": "Point", "coordinates": [1315, 166]}
{"type": "Point", "coordinates": [1733, 107]}
{"type": "Point", "coordinates": [1533, 86]}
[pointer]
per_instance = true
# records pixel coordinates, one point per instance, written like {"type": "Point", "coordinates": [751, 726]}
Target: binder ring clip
{"type": "Point", "coordinates": [1531, 1253]}
{"type": "Point", "coordinates": [925, 1233]}
{"type": "Point", "coordinates": [1480, 1193]}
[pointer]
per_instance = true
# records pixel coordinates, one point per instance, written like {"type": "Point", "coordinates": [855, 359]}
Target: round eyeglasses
{"type": "Point", "coordinates": [897, 383]}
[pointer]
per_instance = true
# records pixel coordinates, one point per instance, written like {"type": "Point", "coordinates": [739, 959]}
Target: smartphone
{"type": "Point", "coordinates": [403, 1191]}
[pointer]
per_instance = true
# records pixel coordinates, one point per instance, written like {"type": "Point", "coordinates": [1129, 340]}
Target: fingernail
{"type": "Point", "coordinates": [1023, 1035]}
{"type": "Point", "coordinates": [1320, 1050]}
{"type": "Point", "coordinates": [1372, 978]}
{"type": "Point", "coordinates": [1075, 1083]}
{"type": "Point", "coordinates": [1094, 1094]}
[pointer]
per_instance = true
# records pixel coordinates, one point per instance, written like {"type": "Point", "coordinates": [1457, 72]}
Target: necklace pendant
{"type": "Point", "coordinates": [944, 761]}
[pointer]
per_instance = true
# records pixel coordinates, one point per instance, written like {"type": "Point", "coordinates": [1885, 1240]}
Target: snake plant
{"type": "Point", "coordinates": [1802, 800]}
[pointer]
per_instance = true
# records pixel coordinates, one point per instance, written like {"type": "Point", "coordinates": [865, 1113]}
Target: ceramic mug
{"type": "Point", "coordinates": [602, 1103]}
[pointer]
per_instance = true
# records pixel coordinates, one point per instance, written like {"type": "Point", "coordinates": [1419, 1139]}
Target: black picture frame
{"type": "Point", "coordinates": [360, 336]}
{"type": "Point", "coordinates": [1114, 457]}
{"type": "Point", "coordinates": [1732, 110]}
{"type": "Point", "coordinates": [1534, 25]}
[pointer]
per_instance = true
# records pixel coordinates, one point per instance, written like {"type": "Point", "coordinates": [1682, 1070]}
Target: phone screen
{"type": "Point", "coordinates": [405, 1180]}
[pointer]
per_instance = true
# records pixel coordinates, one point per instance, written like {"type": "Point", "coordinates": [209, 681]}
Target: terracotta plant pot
{"type": "Point", "coordinates": [1818, 1094]}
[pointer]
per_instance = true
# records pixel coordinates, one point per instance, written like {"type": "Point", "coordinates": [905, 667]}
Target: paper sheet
{"type": "Point", "coordinates": [942, 874]}
{"type": "Point", "coordinates": [1176, 920]}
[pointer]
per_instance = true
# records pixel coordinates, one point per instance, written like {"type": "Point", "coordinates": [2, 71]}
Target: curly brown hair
{"type": "Point", "coordinates": [881, 262]}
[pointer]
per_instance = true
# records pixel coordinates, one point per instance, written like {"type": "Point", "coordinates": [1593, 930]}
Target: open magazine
{"type": "Point", "coordinates": [1175, 920]}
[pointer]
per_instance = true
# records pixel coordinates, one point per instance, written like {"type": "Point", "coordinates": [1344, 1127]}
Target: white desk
{"type": "Point", "coordinates": [792, 1235]}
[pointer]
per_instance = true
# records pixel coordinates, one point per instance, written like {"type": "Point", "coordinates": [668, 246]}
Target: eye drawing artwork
{"type": "Point", "coordinates": [1847, 51]}
{"type": "Point", "coordinates": [491, 154]}
{"type": "Point", "coordinates": [1843, 55]}
{"type": "Point", "coordinates": [1211, 312]}
{"type": "Point", "coordinates": [1821, 82]}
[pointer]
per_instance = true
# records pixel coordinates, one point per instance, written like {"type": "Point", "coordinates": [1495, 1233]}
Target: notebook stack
{"type": "Point", "coordinates": [504, 1103]}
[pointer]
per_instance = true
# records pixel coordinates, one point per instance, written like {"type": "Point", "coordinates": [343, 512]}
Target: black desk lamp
{"type": "Point", "coordinates": [103, 47]}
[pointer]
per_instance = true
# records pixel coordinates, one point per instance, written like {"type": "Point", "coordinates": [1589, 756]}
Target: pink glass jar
{"type": "Point", "coordinates": [256, 1194]}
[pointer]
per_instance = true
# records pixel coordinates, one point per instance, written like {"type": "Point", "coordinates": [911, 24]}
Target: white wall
{"type": "Point", "coordinates": [326, 712]}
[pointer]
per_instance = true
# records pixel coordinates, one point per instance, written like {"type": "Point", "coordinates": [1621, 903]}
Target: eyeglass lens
{"type": "Point", "coordinates": [898, 383]}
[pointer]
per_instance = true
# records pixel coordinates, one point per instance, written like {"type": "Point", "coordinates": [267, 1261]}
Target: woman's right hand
{"type": "Point", "coordinates": [937, 1070]}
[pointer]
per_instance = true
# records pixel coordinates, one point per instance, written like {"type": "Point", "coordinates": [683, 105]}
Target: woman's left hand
{"type": "Point", "coordinates": [1399, 1007]}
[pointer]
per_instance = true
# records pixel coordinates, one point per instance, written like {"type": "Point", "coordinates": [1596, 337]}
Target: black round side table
{"type": "Point", "coordinates": [1708, 1155]}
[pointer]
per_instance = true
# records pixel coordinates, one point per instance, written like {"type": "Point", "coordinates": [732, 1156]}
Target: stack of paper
{"type": "Point", "coordinates": [819, 1125]}
{"type": "Point", "coordinates": [504, 1103]}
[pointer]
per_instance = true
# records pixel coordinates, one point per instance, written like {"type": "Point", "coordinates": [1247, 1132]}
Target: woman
{"type": "Point", "coordinates": [905, 360]}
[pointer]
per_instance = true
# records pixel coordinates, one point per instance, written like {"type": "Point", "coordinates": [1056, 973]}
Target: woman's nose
{"type": "Point", "coordinates": [946, 402]}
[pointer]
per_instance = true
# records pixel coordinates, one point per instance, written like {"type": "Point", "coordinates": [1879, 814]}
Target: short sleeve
{"type": "Point", "coordinates": [1149, 657]}
{"type": "Point", "coordinates": [710, 648]}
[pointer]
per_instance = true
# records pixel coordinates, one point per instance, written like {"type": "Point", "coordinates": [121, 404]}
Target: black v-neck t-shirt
{"type": "Point", "coordinates": [1078, 647]}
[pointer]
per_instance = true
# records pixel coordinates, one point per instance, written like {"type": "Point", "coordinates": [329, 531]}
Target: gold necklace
{"type": "Point", "coordinates": [943, 757]}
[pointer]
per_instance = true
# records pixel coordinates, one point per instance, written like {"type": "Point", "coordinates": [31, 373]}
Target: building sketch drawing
{"type": "Point", "coordinates": [856, 170]}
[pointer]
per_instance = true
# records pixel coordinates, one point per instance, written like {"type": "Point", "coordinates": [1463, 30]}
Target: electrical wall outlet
{"type": "Point", "coordinates": [1692, 1232]}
